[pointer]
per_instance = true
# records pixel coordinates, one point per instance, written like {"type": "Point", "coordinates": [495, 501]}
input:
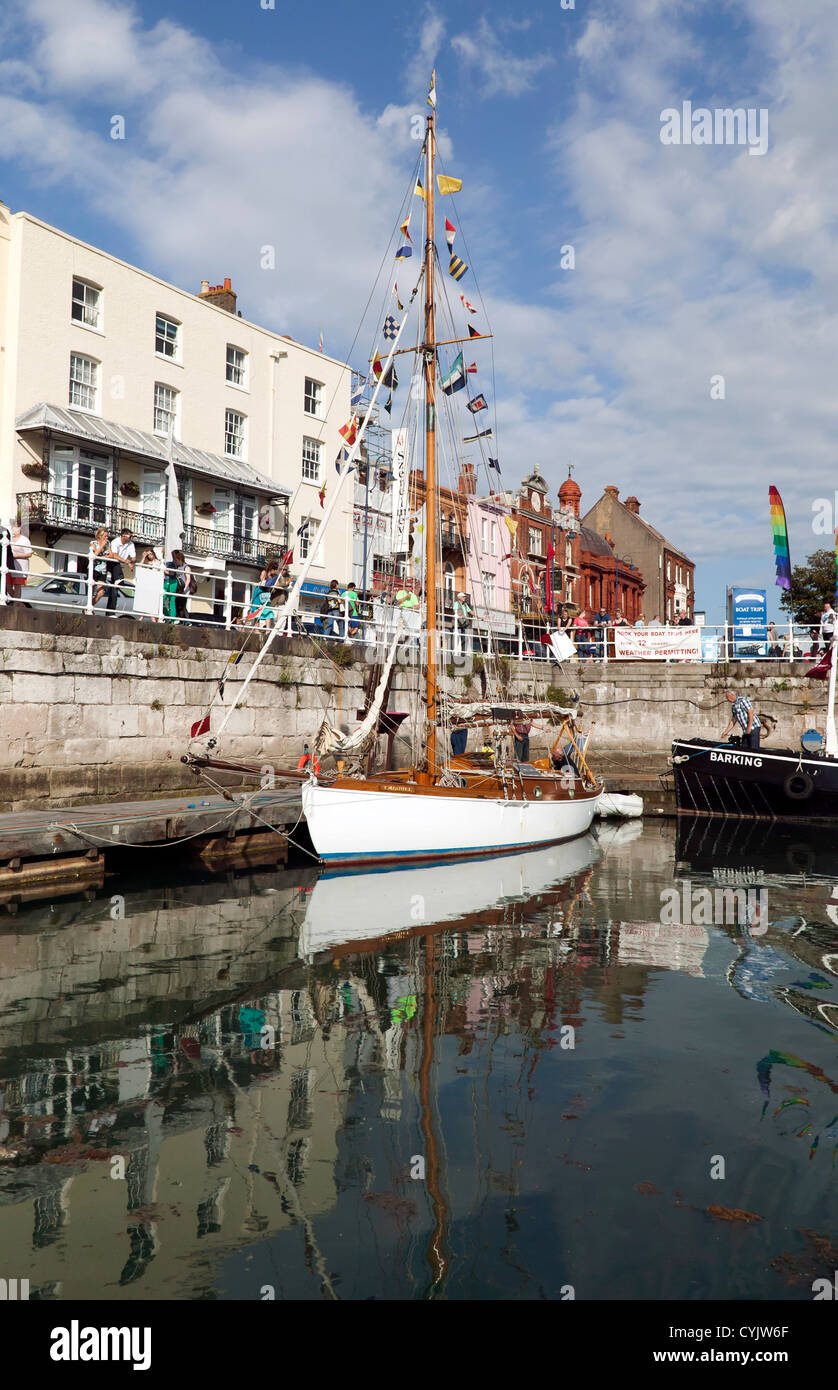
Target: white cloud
{"type": "Point", "coordinates": [595, 40]}
{"type": "Point", "coordinates": [689, 261]}
{"type": "Point", "coordinates": [500, 72]}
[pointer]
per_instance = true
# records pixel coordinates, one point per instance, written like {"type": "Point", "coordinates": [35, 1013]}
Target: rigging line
{"type": "Point", "coordinates": [384, 259]}
{"type": "Point", "coordinates": [290, 605]}
{"type": "Point", "coordinates": [283, 834]}
{"type": "Point", "coordinates": [482, 303]}
{"type": "Point", "coordinates": [126, 844]}
{"type": "Point", "coordinates": [483, 445]}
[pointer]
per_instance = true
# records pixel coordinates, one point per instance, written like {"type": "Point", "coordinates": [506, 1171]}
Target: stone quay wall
{"type": "Point", "coordinates": [95, 710]}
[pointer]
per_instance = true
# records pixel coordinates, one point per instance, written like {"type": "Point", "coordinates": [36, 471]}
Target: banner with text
{"type": "Point", "coordinates": [401, 508]}
{"type": "Point", "coordinates": [658, 643]}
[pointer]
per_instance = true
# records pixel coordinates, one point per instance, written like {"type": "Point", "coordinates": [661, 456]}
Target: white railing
{"type": "Point", "coordinates": [67, 583]}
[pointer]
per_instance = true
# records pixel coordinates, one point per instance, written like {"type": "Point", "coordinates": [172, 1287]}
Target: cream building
{"type": "Point", "coordinates": [100, 360]}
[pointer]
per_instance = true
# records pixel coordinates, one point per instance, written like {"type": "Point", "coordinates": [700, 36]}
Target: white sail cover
{"type": "Point", "coordinates": [499, 711]}
{"type": "Point", "coordinates": [330, 740]}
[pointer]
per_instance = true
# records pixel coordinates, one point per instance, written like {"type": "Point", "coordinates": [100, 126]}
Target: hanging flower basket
{"type": "Point", "coordinates": [205, 509]}
{"type": "Point", "coordinates": [34, 470]}
{"type": "Point", "coordinates": [130, 489]}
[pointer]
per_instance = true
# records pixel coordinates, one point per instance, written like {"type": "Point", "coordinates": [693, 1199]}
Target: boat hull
{"type": "Point", "coordinates": [362, 907]}
{"type": "Point", "coordinates": [781, 784]}
{"type": "Point", "coordinates": [351, 824]}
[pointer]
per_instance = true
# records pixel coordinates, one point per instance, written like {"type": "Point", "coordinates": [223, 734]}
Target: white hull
{"type": "Point", "coordinates": [347, 906]}
{"type": "Point", "coordinates": [351, 824]}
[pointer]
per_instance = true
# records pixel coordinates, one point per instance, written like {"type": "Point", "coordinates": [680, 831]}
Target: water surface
{"type": "Point", "coordinates": [498, 1080]}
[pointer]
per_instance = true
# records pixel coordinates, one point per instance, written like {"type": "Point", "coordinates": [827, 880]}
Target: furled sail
{"type": "Point", "coordinates": [459, 711]}
{"type": "Point", "coordinates": [328, 739]}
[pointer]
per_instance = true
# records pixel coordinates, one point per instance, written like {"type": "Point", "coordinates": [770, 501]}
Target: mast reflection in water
{"type": "Point", "coordinates": [494, 1080]}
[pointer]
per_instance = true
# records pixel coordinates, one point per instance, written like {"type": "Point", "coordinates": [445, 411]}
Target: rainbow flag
{"type": "Point", "coordinates": [781, 539]}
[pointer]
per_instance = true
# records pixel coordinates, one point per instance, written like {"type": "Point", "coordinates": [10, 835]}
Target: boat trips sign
{"type": "Point", "coordinates": [747, 611]}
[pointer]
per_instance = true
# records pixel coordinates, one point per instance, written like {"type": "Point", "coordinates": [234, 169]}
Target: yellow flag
{"type": "Point", "coordinates": [513, 525]}
{"type": "Point", "coordinates": [419, 189]}
{"type": "Point", "coordinates": [448, 185]}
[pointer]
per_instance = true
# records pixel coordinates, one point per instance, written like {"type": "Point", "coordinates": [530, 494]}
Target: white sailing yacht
{"type": "Point", "coordinates": [444, 806]}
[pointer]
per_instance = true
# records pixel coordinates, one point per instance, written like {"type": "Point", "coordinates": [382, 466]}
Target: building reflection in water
{"type": "Point", "coordinates": [262, 1052]}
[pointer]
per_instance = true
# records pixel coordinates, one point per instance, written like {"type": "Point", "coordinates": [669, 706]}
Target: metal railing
{"type": "Point", "coordinates": [371, 621]}
{"type": "Point", "coordinates": [452, 539]}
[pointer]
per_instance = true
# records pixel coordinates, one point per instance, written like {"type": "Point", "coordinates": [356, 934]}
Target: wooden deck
{"type": "Point", "coordinates": [76, 829]}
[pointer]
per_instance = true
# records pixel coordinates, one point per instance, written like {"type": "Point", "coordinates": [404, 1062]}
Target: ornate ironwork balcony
{"type": "Point", "coordinates": [56, 512]}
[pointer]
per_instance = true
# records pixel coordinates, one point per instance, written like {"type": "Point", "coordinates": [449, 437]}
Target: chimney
{"type": "Point", "coordinates": [633, 505]}
{"type": "Point", "coordinates": [613, 492]}
{"type": "Point", "coordinates": [224, 296]}
{"type": "Point", "coordinates": [467, 481]}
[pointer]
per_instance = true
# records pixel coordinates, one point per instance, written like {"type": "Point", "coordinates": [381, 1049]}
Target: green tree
{"type": "Point", "coordinates": [811, 585]}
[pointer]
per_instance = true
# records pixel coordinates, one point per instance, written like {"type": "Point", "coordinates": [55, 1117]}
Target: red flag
{"type": "Point", "coordinates": [472, 368]}
{"type": "Point", "coordinates": [322, 493]}
{"type": "Point", "coordinates": [450, 233]}
{"type": "Point", "coordinates": [376, 366]}
{"type": "Point", "coordinates": [468, 306]}
{"type": "Point", "coordinates": [473, 333]}
{"type": "Point", "coordinates": [350, 430]}
{"type": "Point", "coordinates": [202, 727]}
{"type": "Point", "coordinates": [821, 671]}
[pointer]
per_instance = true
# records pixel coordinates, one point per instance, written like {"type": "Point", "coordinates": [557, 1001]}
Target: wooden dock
{"type": "Point", "coordinates": [64, 849]}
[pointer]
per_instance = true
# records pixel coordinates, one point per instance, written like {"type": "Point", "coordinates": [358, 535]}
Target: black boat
{"type": "Point", "coordinates": [777, 784]}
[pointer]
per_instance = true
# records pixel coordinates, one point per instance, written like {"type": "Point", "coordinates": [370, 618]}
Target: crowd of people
{"type": "Point", "coordinates": [114, 563]}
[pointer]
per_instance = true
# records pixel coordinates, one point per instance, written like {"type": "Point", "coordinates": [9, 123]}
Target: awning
{"type": "Point", "coordinates": [76, 424]}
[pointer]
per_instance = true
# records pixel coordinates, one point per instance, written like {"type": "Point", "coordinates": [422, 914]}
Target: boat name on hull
{"type": "Point", "coordinates": [735, 758]}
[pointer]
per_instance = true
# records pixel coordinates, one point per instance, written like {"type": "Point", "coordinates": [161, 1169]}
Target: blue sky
{"type": "Point", "coordinates": [291, 127]}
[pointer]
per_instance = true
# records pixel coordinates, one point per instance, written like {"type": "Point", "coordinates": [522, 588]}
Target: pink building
{"type": "Point", "coordinates": [488, 566]}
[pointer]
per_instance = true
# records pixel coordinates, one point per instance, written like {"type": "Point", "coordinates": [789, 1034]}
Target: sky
{"type": "Point", "coordinates": [688, 356]}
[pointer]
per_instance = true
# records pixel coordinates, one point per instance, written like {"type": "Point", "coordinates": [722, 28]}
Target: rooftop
{"type": "Point", "coordinates": [78, 424]}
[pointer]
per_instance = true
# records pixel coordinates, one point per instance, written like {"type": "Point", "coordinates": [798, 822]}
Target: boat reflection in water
{"type": "Point", "coordinates": [359, 908]}
{"type": "Point", "coordinates": [477, 1080]}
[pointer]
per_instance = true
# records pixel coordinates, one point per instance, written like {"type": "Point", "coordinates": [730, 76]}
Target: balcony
{"type": "Point", "coordinates": [57, 512]}
{"type": "Point", "coordinates": [203, 540]}
{"type": "Point", "coordinates": [54, 510]}
{"type": "Point", "coordinates": [452, 539]}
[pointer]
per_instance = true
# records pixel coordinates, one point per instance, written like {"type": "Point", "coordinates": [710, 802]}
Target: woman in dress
{"type": "Point", "coordinates": [261, 609]}
{"type": "Point", "coordinates": [100, 555]}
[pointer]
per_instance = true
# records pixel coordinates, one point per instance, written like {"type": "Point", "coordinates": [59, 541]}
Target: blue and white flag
{"type": "Point", "coordinates": [391, 328]}
{"type": "Point", "coordinates": [455, 380]}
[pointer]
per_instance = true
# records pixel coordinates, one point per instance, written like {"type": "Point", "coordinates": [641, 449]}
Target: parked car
{"type": "Point", "coordinates": [69, 591]}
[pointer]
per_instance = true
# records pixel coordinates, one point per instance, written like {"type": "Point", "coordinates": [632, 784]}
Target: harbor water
{"type": "Point", "coordinates": [603, 1070]}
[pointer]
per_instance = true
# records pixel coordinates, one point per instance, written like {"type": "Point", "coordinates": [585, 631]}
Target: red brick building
{"type": "Point", "coordinates": [588, 570]}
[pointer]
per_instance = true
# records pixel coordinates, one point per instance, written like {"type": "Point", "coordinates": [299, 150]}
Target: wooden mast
{"type": "Point", "coordinates": [430, 445]}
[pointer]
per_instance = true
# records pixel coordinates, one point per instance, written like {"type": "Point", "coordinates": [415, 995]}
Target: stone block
{"type": "Point", "coordinates": [65, 721]}
{"type": "Point", "coordinates": [93, 690]}
{"type": "Point", "coordinates": [30, 689]}
{"type": "Point", "coordinates": [150, 722]}
{"type": "Point", "coordinates": [124, 721]}
{"type": "Point", "coordinates": [41, 663]}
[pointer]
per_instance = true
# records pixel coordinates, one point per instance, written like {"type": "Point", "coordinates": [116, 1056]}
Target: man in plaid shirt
{"type": "Point", "coordinates": [743, 714]}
